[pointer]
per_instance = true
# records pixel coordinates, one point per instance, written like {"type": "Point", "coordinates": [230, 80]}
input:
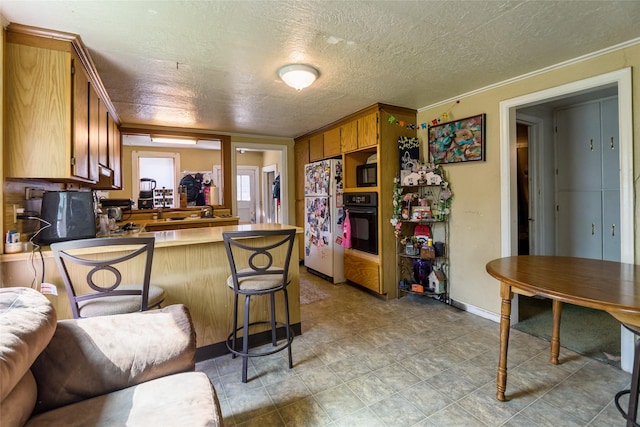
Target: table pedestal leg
{"type": "Point", "coordinates": [505, 320]}
{"type": "Point", "coordinates": [555, 331]}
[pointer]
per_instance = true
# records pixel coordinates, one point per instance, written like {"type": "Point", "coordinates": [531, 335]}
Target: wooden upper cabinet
{"type": "Point", "coordinates": [94, 128]}
{"type": "Point", "coordinates": [331, 143]}
{"type": "Point", "coordinates": [81, 164]}
{"type": "Point", "coordinates": [368, 130]}
{"type": "Point", "coordinates": [349, 136]}
{"type": "Point", "coordinates": [53, 126]}
{"type": "Point", "coordinates": [103, 135]}
{"type": "Point", "coordinates": [39, 114]}
{"type": "Point", "coordinates": [301, 149]}
{"type": "Point", "coordinates": [316, 147]}
{"type": "Point", "coordinates": [115, 152]}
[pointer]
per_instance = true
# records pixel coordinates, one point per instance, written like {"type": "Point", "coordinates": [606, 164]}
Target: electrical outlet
{"type": "Point", "coordinates": [33, 193]}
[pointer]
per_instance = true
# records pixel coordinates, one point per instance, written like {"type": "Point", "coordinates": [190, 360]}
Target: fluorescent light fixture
{"type": "Point", "coordinates": [173, 140]}
{"type": "Point", "coordinates": [298, 76]}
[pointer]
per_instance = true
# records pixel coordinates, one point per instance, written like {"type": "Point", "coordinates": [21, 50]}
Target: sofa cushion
{"type": "Point", "coordinates": [27, 323]}
{"type": "Point", "coordinates": [93, 356]}
{"type": "Point", "coordinates": [186, 399]}
{"type": "Point", "coordinates": [16, 408]}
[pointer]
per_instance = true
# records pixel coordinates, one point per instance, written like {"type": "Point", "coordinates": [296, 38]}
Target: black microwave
{"type": "Point", "coordinates": [366, 175]}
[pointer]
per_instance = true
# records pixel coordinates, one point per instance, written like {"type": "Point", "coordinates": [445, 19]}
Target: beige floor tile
{"type": "Point", "coordinates": [363, 361]}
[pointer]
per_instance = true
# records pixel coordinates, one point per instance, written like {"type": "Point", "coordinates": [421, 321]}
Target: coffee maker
{"type": "Point", "coordinates": [145, 199]}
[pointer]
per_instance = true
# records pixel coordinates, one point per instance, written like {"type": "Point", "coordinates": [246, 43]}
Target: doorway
{"type": "Point", "coordinates": [271, 161]}
{"type": "Point", "coordinates": [544, 180]}
{"type": "Point", "coordinates": [270, 194]}
{"type": "Point", "coordinates": [585, 158]}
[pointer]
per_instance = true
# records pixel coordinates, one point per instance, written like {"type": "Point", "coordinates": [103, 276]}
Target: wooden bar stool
{"type": "Point", "coordinates": [258, 267]}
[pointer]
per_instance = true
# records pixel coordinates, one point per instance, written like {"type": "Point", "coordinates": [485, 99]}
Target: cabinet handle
{"type": "Point", "coordinates": [593, 229]}
{"type": "Point", "coordinates": [613, 230]}
{"type": "Point", "coordinates": [612, 145]}
{"type": "Point", "coordinates": [591, 144]}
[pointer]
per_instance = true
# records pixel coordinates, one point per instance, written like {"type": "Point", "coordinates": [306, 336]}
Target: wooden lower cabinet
{"type": "Point", "coordinates": [362, 269]}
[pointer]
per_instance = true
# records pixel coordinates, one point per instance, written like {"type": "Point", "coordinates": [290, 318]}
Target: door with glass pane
{"type": "Point", "coordinates": [247, 194]}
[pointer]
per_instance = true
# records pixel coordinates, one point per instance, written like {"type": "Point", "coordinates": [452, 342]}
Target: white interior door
{"type": "Point", "coordinates": [247, 193]}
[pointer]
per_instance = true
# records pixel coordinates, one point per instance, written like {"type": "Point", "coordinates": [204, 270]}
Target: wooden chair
{"type": "Point", "coordinates": [92, 271]}
{"type": "Point", "coordinates": [254, 272]}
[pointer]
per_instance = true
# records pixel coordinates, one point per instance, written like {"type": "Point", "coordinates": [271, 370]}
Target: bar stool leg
{"type": "Point", "coordinates": [235, 324]}
{"type": "Point", "coordinates": [286, 313]}
{"type": "Point", "coordinates": [274, 339]}
{"type": "Point", "coordinates": [245, 338]}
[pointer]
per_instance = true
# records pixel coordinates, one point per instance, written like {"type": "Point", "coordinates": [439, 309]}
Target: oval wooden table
{"type": "Point", "coordinates": [604, 285]}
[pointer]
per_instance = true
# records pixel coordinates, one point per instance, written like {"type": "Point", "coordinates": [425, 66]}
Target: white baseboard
{"type": "Point", "coordinates": [476, 310]}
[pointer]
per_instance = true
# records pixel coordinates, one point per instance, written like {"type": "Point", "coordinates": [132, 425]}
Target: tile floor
{"type": "Point", "coordinates": [361, 361]}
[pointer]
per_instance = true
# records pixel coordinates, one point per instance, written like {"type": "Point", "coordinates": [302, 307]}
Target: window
{"type": "Point", "coordinates": [243, 188]}
{"type": "Point", "coordinates": [163, 168]}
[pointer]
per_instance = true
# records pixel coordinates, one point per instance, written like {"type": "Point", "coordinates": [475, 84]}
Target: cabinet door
{"type": "Point", "coordinates": [578, 151]}
{"type": "Point", "coordinates": [368, 130]}
{"type": "Point", "coordinates": [316, 149]}
{"type": "Point", "coordinates": [94, 130]}
{"type": "Point", "coordinates": [332, 143]}
{"type": "Point", "coordinates": [80, 165]}
{"type": "Point", "coordinates": [37, 133]}
{"type": "Point", "coordinates": [103, 134]}
{"type": "Point", "coordinates": [115, 153]}
{"type": "Point", "coordinates": [349, 136]}
{"type": "Point", "coordinates": [302, 158]}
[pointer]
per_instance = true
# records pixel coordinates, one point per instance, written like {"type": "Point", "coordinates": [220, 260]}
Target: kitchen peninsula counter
{"type": "Point", "coordinates": [191, 266]}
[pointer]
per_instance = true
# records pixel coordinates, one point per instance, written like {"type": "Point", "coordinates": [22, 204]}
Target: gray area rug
{"type": "Point", "coordinates": [592, 333]}
{"type": "Point", "coordinates": [310, 293]}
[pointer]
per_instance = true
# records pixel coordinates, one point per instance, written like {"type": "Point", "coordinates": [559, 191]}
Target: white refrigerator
{"type": "Point", "coordinates": [323, 252]}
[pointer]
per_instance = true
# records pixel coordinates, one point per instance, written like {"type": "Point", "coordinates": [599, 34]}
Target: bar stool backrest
{"type": "Point", "coordinates": [93, 268]}
{"type": "Point", "coordinates": [258, 253]}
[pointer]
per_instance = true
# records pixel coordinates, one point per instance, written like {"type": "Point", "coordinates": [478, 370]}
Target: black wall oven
{"type": "Point", "coordinates": [363, 216]}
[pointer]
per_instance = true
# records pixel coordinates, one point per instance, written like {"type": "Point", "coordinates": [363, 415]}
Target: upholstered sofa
{"type": "Point", "coordinates": [131, 369]}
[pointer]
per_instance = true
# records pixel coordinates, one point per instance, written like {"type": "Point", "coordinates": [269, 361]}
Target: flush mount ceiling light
{"type": "Point", "coordinates": [173, 139]}
{"type": "Point", "coordinates": [298, 76]}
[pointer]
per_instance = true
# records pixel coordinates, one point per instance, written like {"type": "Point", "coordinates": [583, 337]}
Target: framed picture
{"type": "Point", "coordinates": [457, 141]}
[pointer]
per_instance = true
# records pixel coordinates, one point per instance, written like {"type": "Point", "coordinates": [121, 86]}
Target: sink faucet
{"type": "Point", "coordinates": [206, 212]}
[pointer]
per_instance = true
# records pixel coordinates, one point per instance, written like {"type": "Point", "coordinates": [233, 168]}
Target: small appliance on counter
{"type": "Point", "coordinates": [124, 204]}
{"type": "Point", "coordinates": [71, 215]}
{"type": "Point", "coordinates": [145, 199]}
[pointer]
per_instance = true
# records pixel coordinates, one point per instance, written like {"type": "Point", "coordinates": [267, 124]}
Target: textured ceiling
{"type": "Point", "coordinates": [213, 64]}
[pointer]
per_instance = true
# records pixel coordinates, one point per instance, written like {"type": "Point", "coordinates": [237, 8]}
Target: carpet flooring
{"type": "Point", "coordinates": [593, 333]}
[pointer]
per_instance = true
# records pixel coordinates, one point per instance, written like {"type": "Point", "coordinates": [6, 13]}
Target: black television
{"type": "Point", "coordinates": [70, 214]}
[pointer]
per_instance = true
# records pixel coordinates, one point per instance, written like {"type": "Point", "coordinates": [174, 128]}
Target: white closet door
{"type": "Point", "coordinates": [579, 158]}
{"type": "Point", "coordinates": [610, 145]}
{"type": "Point", "coordinates": [579, 224]}
{"type": "Point", "coordinates": [611, 225]}
{"type": "Point", "coordinates": [588, 181]}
